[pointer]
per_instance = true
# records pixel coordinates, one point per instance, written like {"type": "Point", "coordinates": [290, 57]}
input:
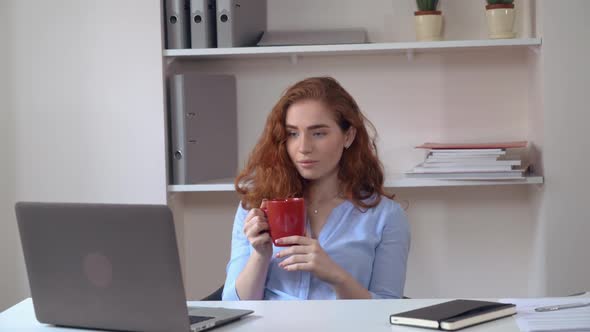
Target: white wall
{"type": "Point", "coordinates": [88, 99]}
{"type": "Point", "coordinates": [564, 217]}
{"type": "Point", "coordinates": [13, 282]}
{"type": "Point", "coordinates": [82, 81]}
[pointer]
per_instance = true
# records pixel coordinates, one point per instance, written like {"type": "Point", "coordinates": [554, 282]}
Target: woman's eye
{"type": "Point", "coordinates": [319, 134]}
{"type": "Point", "coordinates": [292, 134]}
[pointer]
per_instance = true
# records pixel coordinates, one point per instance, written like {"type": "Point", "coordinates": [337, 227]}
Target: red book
{"type": "Point", "coordinates": [490, 145]}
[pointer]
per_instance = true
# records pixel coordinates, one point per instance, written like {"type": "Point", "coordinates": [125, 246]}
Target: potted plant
{"type": "Point", "coordinates": [500, 16]}
{"type": "Point", "coordinates": [428, 20]}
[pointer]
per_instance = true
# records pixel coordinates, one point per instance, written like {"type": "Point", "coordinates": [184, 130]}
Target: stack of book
{"type": "Point", "coordinates": [481, 161]}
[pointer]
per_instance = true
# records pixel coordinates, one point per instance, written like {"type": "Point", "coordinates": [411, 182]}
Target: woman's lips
{"type": "Point", "coordinates": [307, 163]}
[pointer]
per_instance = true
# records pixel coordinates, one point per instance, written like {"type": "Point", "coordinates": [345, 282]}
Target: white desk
{"type": "Point", "coordinates": [283, 316]}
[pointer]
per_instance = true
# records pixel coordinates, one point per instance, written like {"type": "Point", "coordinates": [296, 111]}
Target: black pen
{"type": "Point", "coordinates": [562, 306]}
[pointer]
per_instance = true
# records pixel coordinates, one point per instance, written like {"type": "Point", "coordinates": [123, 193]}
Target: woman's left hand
{"type": "Point", "coordinates": [306, 254]}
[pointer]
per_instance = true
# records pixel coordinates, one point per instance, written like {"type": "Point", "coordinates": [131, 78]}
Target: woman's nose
{"type": "Point", "coordinates": [305, 144]}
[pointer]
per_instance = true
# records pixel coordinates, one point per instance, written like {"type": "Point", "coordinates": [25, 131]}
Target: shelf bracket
{"type": "Point", "coordinates": [294, 58]}
{"type": "Point", "coordinates": [410, 54]}
{"type": "Point", "coordinates": [170, 61]}
{"type": "Point", "coordinates": [171, 195]}
{"type": "Point", "coordinates": [535, 49]}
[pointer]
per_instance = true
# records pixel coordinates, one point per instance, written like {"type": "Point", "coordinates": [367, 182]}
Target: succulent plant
{"type": "Point", "coordinates": [427, 5]}
{"type": "Point", "coordinates": [500, 2]}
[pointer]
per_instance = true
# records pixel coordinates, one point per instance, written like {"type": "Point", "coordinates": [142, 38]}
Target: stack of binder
{"type": "Point", "coordinates": [482, 161]}
{"type": "Point", "coordinates": [214, 23]}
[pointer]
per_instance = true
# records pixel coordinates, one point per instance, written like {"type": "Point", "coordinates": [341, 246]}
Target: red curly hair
{"type": "Point", "coordinates": [270, 173]}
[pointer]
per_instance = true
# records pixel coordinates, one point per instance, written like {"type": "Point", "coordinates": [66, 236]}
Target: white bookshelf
{"type": "Point", "coordinates": [409, 48]}
{"type": "Point", "coordinates": [397, 182]}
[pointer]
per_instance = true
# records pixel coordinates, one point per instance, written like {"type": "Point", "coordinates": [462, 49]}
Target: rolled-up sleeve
{"type": "Point", "coordinates": [240, 252]}
{"type": "Point", "coordinates": [391, 255]}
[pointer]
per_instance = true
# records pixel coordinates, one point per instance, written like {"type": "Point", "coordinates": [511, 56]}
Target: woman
{"type": "Point", "coordinates": [315, 145]}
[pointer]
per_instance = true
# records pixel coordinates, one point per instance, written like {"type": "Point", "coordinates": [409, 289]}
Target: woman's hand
{"type": "Point", "coordinates": [256, 230]}
{"type": "Point", "coordinates": [308, 255]}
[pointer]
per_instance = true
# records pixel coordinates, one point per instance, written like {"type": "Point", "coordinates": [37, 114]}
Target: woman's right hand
{"type": "Point", "coordinates": [256, 230]}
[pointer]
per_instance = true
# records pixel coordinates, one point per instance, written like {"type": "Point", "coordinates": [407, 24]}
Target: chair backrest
{"type": "Point", "coordinates": [215, 296]}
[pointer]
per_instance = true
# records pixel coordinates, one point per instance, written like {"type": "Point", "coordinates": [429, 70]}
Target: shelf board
{"type": "Point", "coordinates": [404, 182]}
{"type": "Point", "coordinates": [212, 185]}
{"type": "Point", "coordinates": [401, 182]}
{"type": "Point", "coordinates": [349, 49]}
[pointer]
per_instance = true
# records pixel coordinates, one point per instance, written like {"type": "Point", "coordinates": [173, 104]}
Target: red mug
{"type": "Point", "coordinates": [286, 217]}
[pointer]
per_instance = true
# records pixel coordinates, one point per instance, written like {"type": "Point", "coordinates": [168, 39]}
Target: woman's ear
{"type": "Point", "coordinates": [349, 137]}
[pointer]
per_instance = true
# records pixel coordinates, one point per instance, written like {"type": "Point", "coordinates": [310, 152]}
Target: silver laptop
{"type": "Point", "coordinates": [113, 267]}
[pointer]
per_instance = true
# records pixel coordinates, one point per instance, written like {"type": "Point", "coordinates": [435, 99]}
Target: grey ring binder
{"type": "Point", "coordinates": [240, 22]}
{"type": "Point", "coordinates": [203, 29]}
{"type": "Point", "coordinates": [203, 127]}
{"type": "Point", "coordinates": [177, 27]}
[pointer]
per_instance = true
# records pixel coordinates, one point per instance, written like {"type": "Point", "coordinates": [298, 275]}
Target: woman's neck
{"type": "Point", "coordinates": [324, 189]}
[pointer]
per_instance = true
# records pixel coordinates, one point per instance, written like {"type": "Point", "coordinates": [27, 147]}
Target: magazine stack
{"type": "Point", "coordinates": [468, 161]}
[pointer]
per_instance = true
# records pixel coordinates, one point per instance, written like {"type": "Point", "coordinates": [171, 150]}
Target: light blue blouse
{"type": "Point", "coordinates": [372, 246]}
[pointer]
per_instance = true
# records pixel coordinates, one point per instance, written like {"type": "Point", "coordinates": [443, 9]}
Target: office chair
{"type": "Point", "coordinates": [215, 296]}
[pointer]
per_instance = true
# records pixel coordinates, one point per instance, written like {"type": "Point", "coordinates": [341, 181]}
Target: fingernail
{"type": "Point", "coordinates": [278, 255]}
{"type": "Point", "coordinates": [279, 241]}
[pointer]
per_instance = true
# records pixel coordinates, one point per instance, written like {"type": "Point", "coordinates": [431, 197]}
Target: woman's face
{"type": "Point", "coordinates": [315, 142]}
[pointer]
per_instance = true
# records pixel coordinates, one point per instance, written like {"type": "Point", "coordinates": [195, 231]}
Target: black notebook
{"type": "Point", "coordinates": [454, 315]}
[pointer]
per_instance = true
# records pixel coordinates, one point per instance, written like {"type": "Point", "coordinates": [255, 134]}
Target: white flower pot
{"type": "Point", "coordinates": [428, 26]}
{"type": "Point", "coordinates": [500, 23]}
